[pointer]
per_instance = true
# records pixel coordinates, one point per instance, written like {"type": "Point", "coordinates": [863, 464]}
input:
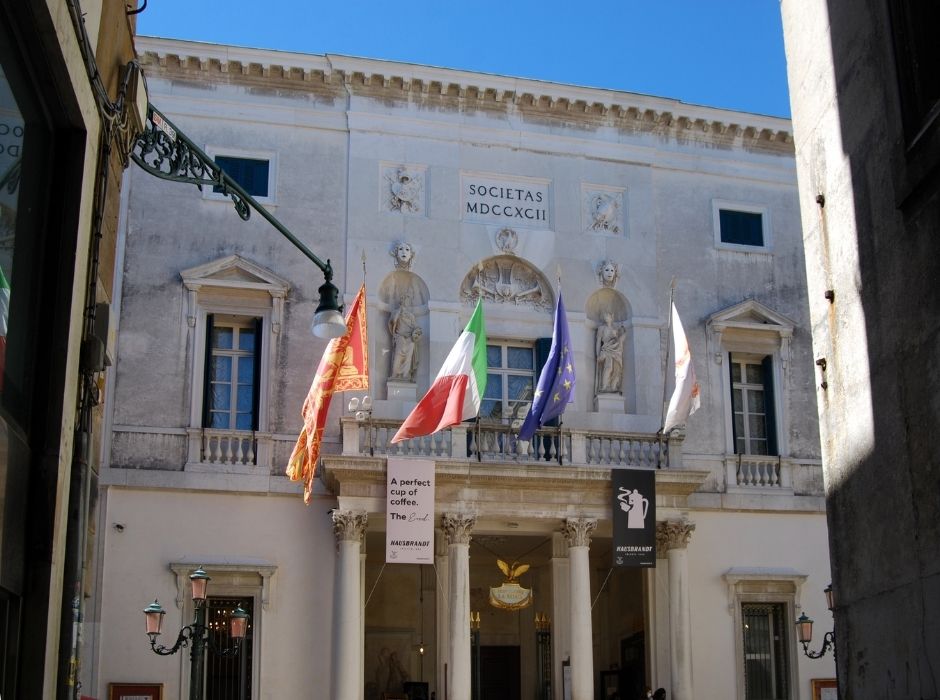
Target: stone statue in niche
{"type": "Point", "coordinates": [403, 254]}
{"type": "Point", "coordinates": [404, 190]}
{"type": "Point", "coordinates": [605, 212]}
{"type": "Point", "coordinates": [507, 280]}
{"type": "Point", "coordinates": [608, 273]}
{"type": "Point", "coordinates": [608, 350]}
{"type": "Point", "coordinates": [406, 336]}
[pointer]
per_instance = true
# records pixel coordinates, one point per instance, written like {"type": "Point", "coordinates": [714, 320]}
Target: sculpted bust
{"type": "Point", "coordinates": [608, 273]}
{"type": "Point", "coordinates": [403, 254]}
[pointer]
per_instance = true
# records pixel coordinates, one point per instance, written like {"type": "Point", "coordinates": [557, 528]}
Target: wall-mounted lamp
{"type": "Point", "coordinates": [804, 630]}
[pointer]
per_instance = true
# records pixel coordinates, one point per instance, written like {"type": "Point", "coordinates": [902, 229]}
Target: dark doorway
{"type": "Point", "coordinates": [500, 677]}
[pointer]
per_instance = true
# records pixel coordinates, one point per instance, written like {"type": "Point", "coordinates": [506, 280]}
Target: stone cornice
{"type": "Point", "coordinates": [372, 77]}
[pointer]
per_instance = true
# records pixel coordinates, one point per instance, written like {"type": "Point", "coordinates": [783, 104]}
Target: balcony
{"type": "Point", "coordinates": [498, 443]}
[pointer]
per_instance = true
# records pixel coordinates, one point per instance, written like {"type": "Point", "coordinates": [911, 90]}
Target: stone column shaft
{"type": "Point", "coordinates": [349, 528]}
{"type": "Point", "coordinates": [673, 537]}
{"type": "Point", "coordinates": [577, 533]}
{"type": "Point", "coordinates": [457, 528]}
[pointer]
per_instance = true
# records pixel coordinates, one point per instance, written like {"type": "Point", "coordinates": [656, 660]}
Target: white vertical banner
{"type": "Point", "coordinates": [409, 511]}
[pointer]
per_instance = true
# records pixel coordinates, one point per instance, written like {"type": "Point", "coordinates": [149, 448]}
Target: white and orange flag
{"type": "Point", "coordinates": [343, 367]}
{"type": "Point", "coordinates": [686, 396]}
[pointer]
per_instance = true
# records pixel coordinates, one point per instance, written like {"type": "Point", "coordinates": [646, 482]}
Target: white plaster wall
{"type": "Point", "coordinates": [165, 526]}
{"type": "Point", "coordinates": [722, 541]}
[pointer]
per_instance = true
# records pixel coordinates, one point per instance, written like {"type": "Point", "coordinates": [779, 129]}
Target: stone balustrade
{"type": "Point", "coordinates": [498, 443]}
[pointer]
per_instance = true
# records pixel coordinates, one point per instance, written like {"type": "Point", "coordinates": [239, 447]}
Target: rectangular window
{"type": "Point", "coordinates": [251, 173]}
{"type": "Point", "coordinates": [231, 379]}
{"type": "Point", "coordinates": [741, 227]}
{"type": "Point", "coordinates": [752, 405]}
{"type": "Point", "coordinates": [765, 651]}
{"type": "Point", "coordinates": [228, 677]}
{"type": "Point", "coordinates": [510, 381]}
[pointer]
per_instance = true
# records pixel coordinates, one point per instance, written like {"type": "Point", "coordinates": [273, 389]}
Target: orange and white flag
{"type": "Point", "coordinates": [686, 396]}
{"type": "Point", "coordinates": [343, 367]}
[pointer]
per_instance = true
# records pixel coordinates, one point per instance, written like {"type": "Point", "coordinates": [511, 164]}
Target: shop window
{"type": "Point", "coordinates": [744, 227]}
{"type": "Point", "coordinates": [232, 584]}
{"type": "Point", "coordinates": [763, 602]}
{"type": "Point", "coordinates": [228, 677]}
{"type": "Point", "coordinates": [766, 661]}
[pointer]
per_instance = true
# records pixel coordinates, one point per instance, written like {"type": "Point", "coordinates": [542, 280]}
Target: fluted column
{"type": "Point", "coordinates": [577, 532]}
{"type": "Point", "coordinates": [457, 528]}
{"type": "Point", "coordinates": [349, 528]}
{"type": "Point", "coordinates": [673, 537]}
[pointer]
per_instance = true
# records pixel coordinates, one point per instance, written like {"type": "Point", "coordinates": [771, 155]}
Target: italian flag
{"type": "Point", "coordinates": [455, 394]}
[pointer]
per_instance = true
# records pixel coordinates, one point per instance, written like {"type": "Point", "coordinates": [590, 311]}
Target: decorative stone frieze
{"type": "Point", "coordinates": [673, 534]}
{"type": "Point", "coordinates": [457, 527]}
{"type": "Point", "coordinates": [349, 525]}
{"type": "Point", "coordinates": [577, 531]}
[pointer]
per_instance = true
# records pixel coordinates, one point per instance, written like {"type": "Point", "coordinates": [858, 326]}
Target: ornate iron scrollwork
{"type": "Point", "coordinates": [164, 151]}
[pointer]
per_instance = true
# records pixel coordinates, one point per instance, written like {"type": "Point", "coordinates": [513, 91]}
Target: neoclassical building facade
{"type": "Point", "coordinates": [437, 188]}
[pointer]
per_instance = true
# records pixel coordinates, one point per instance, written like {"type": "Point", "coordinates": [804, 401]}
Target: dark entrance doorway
{"type": "Point", "coordinates": [500, 676]}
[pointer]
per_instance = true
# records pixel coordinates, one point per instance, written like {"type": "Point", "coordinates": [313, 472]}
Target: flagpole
{"type": "Point", "coordinates": [560, 420]}
{"type": "Point", "coordinates": [662, 416]}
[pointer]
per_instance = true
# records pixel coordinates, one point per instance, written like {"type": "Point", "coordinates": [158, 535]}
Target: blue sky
{"type": "Point", "coordinates": [721, 53]}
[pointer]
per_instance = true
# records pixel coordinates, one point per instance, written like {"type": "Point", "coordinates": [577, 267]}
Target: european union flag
{"type": "Point", "coordinates": [556, 382]}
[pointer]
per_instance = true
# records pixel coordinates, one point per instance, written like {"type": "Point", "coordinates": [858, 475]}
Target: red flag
{"type": "Point", "coordinates": [343, 367]}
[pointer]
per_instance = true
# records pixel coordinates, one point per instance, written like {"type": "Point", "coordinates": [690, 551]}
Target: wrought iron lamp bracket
{"type": "Point", "coordinates": [187, 635]}
{"type": "Point", "coordinates": [165, 152]}
{"type": "Point", "coordinates": [829, 642]}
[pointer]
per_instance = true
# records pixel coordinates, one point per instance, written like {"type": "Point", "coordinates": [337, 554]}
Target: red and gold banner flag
{"type": "Point", "coordinates": [343, 367]}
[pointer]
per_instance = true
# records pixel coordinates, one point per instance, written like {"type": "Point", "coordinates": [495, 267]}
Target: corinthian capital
{"type": "Point", "coordinates": [457, 527]}
{"type": "Point", "coordinates": [577, 531]}
{"type": "Point", "coordinates": [349, 525]}
{"type": "Point", "coordinates": [673, 534]}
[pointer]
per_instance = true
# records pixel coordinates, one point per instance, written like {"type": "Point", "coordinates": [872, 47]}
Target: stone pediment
{"type": "Point", "coordinates": [234, 272]}
{"type": "Point", "coordinates": [751, 315]}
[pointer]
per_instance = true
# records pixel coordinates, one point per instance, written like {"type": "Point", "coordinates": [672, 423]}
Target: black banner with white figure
{"type": "Point", "coordinates": [634, 517]}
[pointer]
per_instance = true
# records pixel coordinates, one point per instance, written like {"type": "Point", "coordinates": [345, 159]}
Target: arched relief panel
{"type": "Point", "coordinates": [609, 301]}
{"type": "Point", "coordinates": [507, 279]}
{"type": "Point", "coordinates": [401, 352]}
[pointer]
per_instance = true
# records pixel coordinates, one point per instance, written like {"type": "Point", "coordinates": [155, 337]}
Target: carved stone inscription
{"type": "Point", "coordinates": [506, 201]}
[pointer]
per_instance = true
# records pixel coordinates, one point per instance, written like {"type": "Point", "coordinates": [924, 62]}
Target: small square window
{"type": "Point", "coordinates": [741, 227]}
{"type": "Point", "coordinates": [254, 171]}
{"type": "Point", "coordinates": [251, 173]}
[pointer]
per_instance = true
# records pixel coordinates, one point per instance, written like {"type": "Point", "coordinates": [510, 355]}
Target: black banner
{"type": "Point", "coordinates": [634, 517]}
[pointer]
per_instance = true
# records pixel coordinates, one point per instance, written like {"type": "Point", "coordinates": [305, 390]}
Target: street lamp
{"type": "Point", "coordinates": [164, 151]}
{"type": "Point", "coordinates": [804, 630]}
{"type": "Point", "coordinates": [197, 634]}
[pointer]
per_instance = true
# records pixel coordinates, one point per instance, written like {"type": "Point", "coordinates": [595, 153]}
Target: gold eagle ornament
{"type": "Point", "coordinates": [510, 595]}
